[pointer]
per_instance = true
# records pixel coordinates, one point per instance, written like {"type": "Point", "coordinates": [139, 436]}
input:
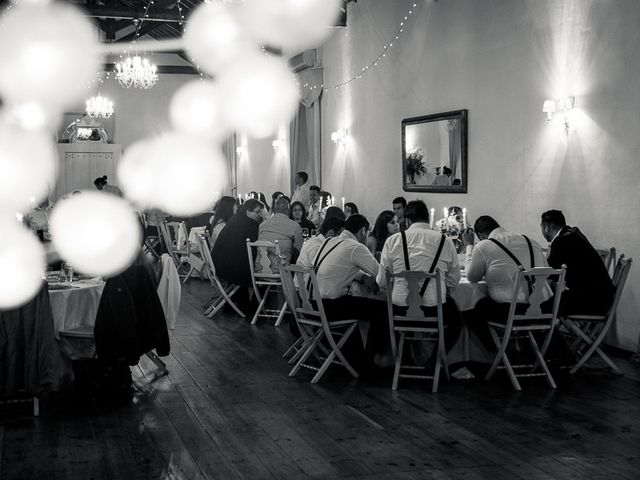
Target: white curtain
{"type": "Point", "coordinates": [229, 151]}
{"type": "Point", "coordinates": [305, 135]}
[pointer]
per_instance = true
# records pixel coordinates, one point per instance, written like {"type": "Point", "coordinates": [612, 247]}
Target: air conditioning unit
{"type": "Point", "coordinates": [302, 61]}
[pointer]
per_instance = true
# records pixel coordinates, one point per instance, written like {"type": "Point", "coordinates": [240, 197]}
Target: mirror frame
{"type": "Point", "coordinates": [460, 115]}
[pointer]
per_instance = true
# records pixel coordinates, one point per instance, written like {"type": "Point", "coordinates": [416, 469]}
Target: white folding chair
{"type": "Point", "coordinates": [171, 232]}
{"type": "Point", "coordinates": [317, 327]}
{"type": "Point", "coordinates": [224, 293]}
{"type": "Point", "coordinates": [608, 256]}
{"type": "Point", "coordinates": [415, 326]}
{"type": "Point", "coordinates": [519, 326]}
{"type": "Point", "coordinates": [266, 278]}
{"type": "Point", "coordinates": [590, 330]}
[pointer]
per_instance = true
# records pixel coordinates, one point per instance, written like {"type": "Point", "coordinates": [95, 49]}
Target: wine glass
{"type": "Point", "coordinates": [305, 233]}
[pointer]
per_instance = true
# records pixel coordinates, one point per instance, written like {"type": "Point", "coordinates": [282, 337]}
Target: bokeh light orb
{"type": "Point", "coordinates": [195, 108]}
{"type": "Point", "coordinates": [97, 233]}
{"type": "Point", "coordinates": [49, 54]}
{"type": "Point", "coordinates": [290, 24]}
{"type": "Point", "coordinates": [28, 168]}
{"type": "Point", "coordinates": [259, 94]}
{"type": "Point", "coordinates": [22, 264]}
{"type": "Point", "coordinates": [176, 172]}
{"type": "Point", "coordinates": [213, 36]}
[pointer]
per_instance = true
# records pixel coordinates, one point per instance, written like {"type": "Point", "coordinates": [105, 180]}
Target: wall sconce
{"type": "Point", "coordinates": [279, 145]}
{"type": "Point", "coordinates": [339, 137]}
{"type": "Point", "coordinates": [561, 105]}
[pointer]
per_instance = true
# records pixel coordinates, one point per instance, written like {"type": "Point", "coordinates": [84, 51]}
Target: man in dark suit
{"type": "Point", "coordinates": [589, 287]}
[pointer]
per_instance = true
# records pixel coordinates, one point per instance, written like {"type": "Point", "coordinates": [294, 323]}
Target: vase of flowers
{"type": "Point", "coordinates": [452, 226]}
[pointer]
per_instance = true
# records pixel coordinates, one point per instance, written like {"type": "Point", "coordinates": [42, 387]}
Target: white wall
{"type": "Point", "coordinates": [500, 59]}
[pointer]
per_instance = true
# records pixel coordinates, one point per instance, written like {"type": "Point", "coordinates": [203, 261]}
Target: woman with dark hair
{"type": "Point", "coordinates": [385, 226]}
{"type": "Point", "coordinates": [298, 213]}
{"type": "Point", "coordinates": [225, 209]}
{"type": "Point", "coordinates": [102, 185]}
{"type": "Point", "coordinates": [350, 208]}
{"type": "Point", "coordinates": [275, 196]}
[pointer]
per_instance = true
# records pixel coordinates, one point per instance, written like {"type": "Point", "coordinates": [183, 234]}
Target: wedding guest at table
{"type": "Point", "coordinates": [299, 214]}
{"type": "Point", "coordinates": [301, 192]}
{"type": "Point", "coordinates": [339, 262]}
{"type": "Point", "coordinates": [286, 231]}
{"type": "Point", "coordinates": [399, 204]}
{"type": "Point", "coordinates": [426, 251]}
{"type": "Point", "coordinates": [315, 208]}
{"type": "Point", "coordinates": [230, 251]}
{"type": "Point", "coordinates": [385, 226]}
{"type": "Point", "coordinates": [225, 209]}
{"type": "Point", "coordinates": [275, 196]}
{"type": "Point", "coordinates": [589, 287]}
{"type": "Point", "coordinates": [263, 199]}
{"type": "Point", "coordinates": [489, 261]}
{"type": "Point", "coordinates": [330, 227]}
{"type": "Point", "coordinates": [350, 208]}
{"type": "Point", "coordinates": [102, 184]}
{"type": "Point", "coordinates": [38, 220]}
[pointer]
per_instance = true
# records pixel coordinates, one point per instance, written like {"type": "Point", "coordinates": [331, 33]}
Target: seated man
{"type": "Point", "coordinates": [340, 261]}
{"type": "Point", "coordinates": [589, 287]}
{"type": "Point", "coordinates": [281, 228]}
{"type": "Point", "coordinates": [490, 260]}
{"type": "Point", "coordinates": [330, 227]}
{"type": "Point", "coordinates": [427, 250]}
{"type": "Point", "coordinates": [315, 207]}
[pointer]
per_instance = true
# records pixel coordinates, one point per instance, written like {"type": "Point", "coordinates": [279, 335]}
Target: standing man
{"type": "Point", "coordinates": [301, 192]}
{"type": "Point", "coordinates": [399, 204]}
{"type": "Point", "coordinates": [589, 287]}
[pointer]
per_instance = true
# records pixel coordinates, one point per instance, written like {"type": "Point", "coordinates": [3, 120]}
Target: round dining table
{"type": "Point", "coordinates": [74, 304]}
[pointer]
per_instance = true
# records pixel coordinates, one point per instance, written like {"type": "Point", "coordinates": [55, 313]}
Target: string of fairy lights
{"type": "Point", "coordinates": [364, 70]}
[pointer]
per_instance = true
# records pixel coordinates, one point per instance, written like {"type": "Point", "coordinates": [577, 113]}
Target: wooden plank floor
{"type": "Point", "coordinates": [228, 410]}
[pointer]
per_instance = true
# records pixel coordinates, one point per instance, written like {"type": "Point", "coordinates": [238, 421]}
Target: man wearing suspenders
{"type": "Point", "coordinates": [497, 258]}
{"type": "Point", "coordinates": [420, 248]}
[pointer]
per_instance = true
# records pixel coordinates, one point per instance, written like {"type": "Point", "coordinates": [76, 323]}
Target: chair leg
{"type": "Point", "coordinates": [281, 315]}
{"type": "Point", "coordinates": [498, 358]}
{"type": "Point", "coordinates": [188, 275]}
{"type": "Point", "coordinates": [396, 371]}
{"type": "Point", "coordinates": [339, 353]}
{"type": "Point", "coordinates": [36, 407]}
{"type": "Point", "coordinates": [261, 304]}
{"type": "Point", "coordinates": [502, 356]}
{"type": "Point", "coordinates": [594, 347]}
{"type": "Point", "coordinates": [541, 360]}
{"type": "Point", "coordinates": [294, 347]}
{"type": "Point", "coordinates": [316, 340]}
{"type": "Point", "coordinates": [436, 374]}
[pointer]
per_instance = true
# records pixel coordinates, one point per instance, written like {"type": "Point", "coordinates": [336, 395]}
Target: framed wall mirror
{"type": "Point", "coordinates": [434, 153]}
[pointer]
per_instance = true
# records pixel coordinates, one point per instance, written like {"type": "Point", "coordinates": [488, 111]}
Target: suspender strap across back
{"type": "Point", "coordinates": [515, 259]}
{"type": "Point", "coordinates": [407, 266]}
{"type": "Point", "coordinates": [318, 260]}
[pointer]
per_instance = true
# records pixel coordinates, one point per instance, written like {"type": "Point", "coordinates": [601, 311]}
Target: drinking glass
{"type": "Point", "coordinates": [313, 232]}
{"type": "Point", "coordinates": [305, 233]}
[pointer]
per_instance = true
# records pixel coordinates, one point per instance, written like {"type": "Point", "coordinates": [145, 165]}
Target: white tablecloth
{"type": "Point", "coordinates": [466, 294]}
{"type": "Point", "coordinates": [76, 306]}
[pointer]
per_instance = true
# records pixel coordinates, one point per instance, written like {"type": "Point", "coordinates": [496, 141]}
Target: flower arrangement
{"type": "Point", "coordinates": [450, 226]}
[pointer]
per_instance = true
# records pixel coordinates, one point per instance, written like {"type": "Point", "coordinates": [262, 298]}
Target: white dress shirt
{"type": "Point", "coordinates": [422, 244]}
{"type": "Point", "coordinates": [309, 250]}
{"type": "Point", "coordinates": [301, 194]}
{"type": "Point", "coordinates": [343, 265]}
{"type": "Point", "coordinates": [490, 262]}
{"type": "Point", "coordinates": [315, 213]}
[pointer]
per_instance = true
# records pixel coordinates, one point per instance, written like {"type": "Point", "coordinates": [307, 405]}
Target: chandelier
{"type": "Point", "coordinates": [99, 107]}
{"type": "Point", "coordinates": [136, 72]}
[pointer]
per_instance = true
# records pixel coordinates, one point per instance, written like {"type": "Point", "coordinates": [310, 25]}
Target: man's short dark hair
{"type": "Point", "coordinates": [555, 218]}
{"type": "Point", "coordinates": [355, 223]}
{"type": "Point", "coordinates": [332, 223]}
{"type": "Point", "coordinates": [281, 206]}
{"type": "Point", "coordinates": [334, 212]}
{"type": "Point", "coordinates": [417, 211]}
{"type": "Point", "coordinates": [401, 200]}
{"type": "Point", "coordinates": [485, 225]}
{"type": "Point", "coordinates": [315, 188]}
{"type": "Point", "coordinates": [303, 175]}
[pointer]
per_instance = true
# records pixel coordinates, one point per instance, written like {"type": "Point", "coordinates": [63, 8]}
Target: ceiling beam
{"type": "Point", "coordinates": [144, 30]}
{"type": "Point", "coordinates": [174, 69]}
{"type": "Point", "coordinates": [100, 11]}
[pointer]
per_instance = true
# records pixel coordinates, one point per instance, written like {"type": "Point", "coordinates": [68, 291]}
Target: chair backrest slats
{"type": "Point", "coordinates": [307, 307]}
{"type": "Point", "coordinates": [619, 280]}
{"type": "Point", "coordinates": [415, 281]}
{"type": "Point", "coordinates": [539, 278]}
{"type": "Point", "coordinates": [265, 251]}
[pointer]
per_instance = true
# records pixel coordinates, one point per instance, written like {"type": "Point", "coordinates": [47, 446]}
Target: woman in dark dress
{"type": "Point", "coordinates": [230, 251]}
{"type": "Point", "coordinates": [298, 213]}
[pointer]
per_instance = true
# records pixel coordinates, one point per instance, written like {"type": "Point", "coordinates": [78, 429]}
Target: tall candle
{"type": "Point", "coordinates": [239, 198]}
{"type": "Point", "coordinates": [343, 204]}
{"type": "Point", "coordinates": [464, 218]}
{"type": "Point", "coordinates": [431, 217]}
{"type": "Point", "coordinates": [445, 213]}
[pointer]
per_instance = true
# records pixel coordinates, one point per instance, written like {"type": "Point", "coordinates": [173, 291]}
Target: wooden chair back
{"type": "Point", "coordinates": [540, 278]}
{"type": "Point", "coordinates": [415, 317]}
{"type": "Point", "coordinates": [307, 284]}
{"type": "Point", "coordinates": [620, 274]}
{"type": "Point", "coordinates": [608, 256]}
{"type": "Point", "coordinates": [203, 246]}
{"type": "Point", "coordinates": [265, 251]}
